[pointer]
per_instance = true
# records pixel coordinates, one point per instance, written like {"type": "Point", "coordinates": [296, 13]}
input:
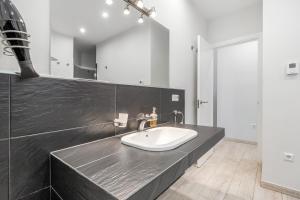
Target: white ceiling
{"type": "Point", "coordinates": [211, 9]}
{"type": "Point", "coordinates": [68, 16]}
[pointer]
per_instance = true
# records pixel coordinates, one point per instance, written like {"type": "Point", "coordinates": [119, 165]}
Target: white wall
{"type": "Point", "coordinates": [62, 49]}
{"type": "Point", "coordinates": [160, 54]}
{"type": "Point", "coordinates": [242, 23]}
{"type": "Point", "coordinates": [36, 14]}
{"type": "Point", "coordinates": [127, 57]}
{"type": "Point", "coordinates": [184, 23]}
{"type": "Point", "coordinates": [237, 90]}
{"type": "Point", "coordinates": [281, 95]}
{"type": "Point", "coordinates": [88, 58]}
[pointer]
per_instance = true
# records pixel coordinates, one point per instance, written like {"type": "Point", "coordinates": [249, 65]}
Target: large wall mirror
{"type": "Point", "coordinates": [93, 40]}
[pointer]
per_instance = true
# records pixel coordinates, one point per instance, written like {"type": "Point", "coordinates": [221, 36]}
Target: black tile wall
{"type": "Point", "coordinates": [4, 169]}
{"type": "Point", "coordinates": [4, 105]}
{"type": "Point", "coordinates": [80, 189]}
{"type": "Point", "coordinates": [30, 156]}
{"type": "Point", "coordinates": [134, 100]}
{"type": "Point", "coordinates": [48, 114]}
{"type": "Point", "coordinates": [54, 195]}
{"type": "Point", "coordinates": [168, 106]}
{"type": "Point", "coordinates": [42, 194]}
{"type": "Point", "coordinates": [45, 104]}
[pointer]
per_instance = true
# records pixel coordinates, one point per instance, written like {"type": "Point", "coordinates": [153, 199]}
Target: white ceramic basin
{"type": "Point", "coordinates": [159, 139]}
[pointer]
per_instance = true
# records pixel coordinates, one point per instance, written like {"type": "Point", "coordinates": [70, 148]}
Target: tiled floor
{"type": "Point", "coordinates": [232, 173]}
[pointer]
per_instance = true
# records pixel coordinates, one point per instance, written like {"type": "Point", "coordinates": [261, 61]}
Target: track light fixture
{"type": "Point", "coordinates": [126, 10]}
{"type": "Point", "coordinates": [139, 6]}
{"type": "Point", "coordinates": [141, 19]}
{"type": "Point", "coordinates": [153, 12]}
{"type": "Point", "coordinates": [140, 3]}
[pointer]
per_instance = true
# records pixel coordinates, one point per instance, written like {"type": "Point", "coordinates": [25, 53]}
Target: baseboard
{"type": "Point", "coordinates": [240, 141]}
{"type": "Point", "coordinates": [277, 188]}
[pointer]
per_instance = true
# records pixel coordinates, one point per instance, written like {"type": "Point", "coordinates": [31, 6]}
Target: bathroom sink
{"type": "Point", "coordinates": [159, 139]}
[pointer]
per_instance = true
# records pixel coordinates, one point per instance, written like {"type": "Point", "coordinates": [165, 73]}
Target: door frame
{"type": "Point", "coordinates": [240, 40]}
{"type": "Point", "coordinates": [209, 98]}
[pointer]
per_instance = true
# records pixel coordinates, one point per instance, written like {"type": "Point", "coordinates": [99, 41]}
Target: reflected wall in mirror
{"type": "Point", "coordinates": [93, 40]}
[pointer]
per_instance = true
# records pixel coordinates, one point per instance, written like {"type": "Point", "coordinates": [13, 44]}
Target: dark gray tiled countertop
{"type": "Point", "coordinates": [107, 169]}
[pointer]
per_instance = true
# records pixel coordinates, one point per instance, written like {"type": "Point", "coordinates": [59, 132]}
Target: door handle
{"type": "Point", "coordinates": [203, 102]}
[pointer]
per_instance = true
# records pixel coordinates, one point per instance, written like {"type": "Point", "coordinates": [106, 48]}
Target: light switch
{"type": "Point", "coordinates": [175, 97]}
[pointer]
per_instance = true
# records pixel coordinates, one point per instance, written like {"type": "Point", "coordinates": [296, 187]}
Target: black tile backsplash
{"type": "Point", "coordinates": [134, 100]}
{"type": "Point", "coordinates": [168, 106]}
{"type": "Point", "coordinates": [4, 105]}
{"type": "Point", "coordinates": [43, 194]}
{"type": "Point", "coordinates": [30, 156]}
{"type": "Point", "coordinates": [54, 195]}
{"type": "Point", "coordinates": [45, 104]}
{"type": "Point", "coordinates": [48, 114]}
{"type": "Point", "coordinates": [80, 189]}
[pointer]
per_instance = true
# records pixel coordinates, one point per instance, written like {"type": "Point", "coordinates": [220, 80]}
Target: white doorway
{"type": "Point", "coordinates": [228, 87]}
{"type": "Point", "coordinates": [237, 90]}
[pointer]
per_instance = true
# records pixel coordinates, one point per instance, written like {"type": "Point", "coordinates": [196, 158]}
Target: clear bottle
{"type": "Point", "coordinates": [153, 121]}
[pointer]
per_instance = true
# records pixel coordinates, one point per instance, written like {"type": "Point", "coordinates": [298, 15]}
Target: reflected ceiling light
{"type": "Point", "coordinates": [141, 19]}
{"type": "Point", "coordinates": [109, 2]}
{"type": "Point", "coordinates": [153, 13]}
{"type": "Point", "coordinates": [82, 30]}
{"type": "Point", "coordinates": [140, 4]}
{"type": "Point", "coordinates": [126, 10]}
{"type": "Point", "coordinates": [105, 15]}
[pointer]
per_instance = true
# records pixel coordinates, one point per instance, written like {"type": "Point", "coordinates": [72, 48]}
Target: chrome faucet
{"type": "Point", "coordinates": [176, 113]}
{"type": "Point", "coordinates": [143, 119]}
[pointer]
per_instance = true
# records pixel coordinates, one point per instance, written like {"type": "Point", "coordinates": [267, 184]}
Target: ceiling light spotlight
{"type": "Point", "coordinates": [109, 2]}
{"type": "Point", "coordinates": [140, 4]}
{"type": "Point", "coordinates": [126, 10]}
{"type": "Point", "coordinates": [82, 30]}
{"type": "Point", "coordinates": [153, 13]}
{"type": "Point", "coordinates": [105, 15]}
{"type": "Point", "coordinates": [141, 19]}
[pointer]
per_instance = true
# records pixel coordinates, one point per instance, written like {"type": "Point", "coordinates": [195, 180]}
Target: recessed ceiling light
{"type": "Point", "coordinates": [140, 4]}
{"type": "Point", "coordinates": [109, 2]}
{"type": "Point", "coordinates": [105, 15]}
{"type": "Point", "coordinates": [82, 30]}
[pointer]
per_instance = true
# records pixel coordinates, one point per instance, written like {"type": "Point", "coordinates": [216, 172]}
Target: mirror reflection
{"type": "Point", "coordinates": [108, 42]}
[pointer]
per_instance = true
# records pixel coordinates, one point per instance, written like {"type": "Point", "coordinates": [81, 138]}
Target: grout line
{"type": "Point", "coordinates": [4, 139]}
{"type": "Point", "coordinates": [93, 161]}
{"type": "Point", "coordinates": [50, 175]}
{"type": "Point", "coordinates": [9, 136]}
{"type": "Point", "coordinates": [81, 174]}
{"type": "Point", "coordinates": [44, 133]}
{"type": "Point", "coordinates": [83, 144]}
{"type": "Point", "coordinates": [51, 188]}
{"type": "Point", "coordinates": [32, 193]}
{"type": "Point", "coordinates": [103, 139]}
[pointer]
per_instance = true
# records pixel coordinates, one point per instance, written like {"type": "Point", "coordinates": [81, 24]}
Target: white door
{"type": "Point", "coordinates": [205, 74]}
{"type": "Point", "coordinates": [237, 90]}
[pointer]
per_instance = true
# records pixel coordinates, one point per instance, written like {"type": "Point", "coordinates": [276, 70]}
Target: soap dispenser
{"type": "Point", "coordinates": [153, 121]}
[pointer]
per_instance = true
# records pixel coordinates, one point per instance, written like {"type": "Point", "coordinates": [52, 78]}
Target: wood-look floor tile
{"type": "Point", "coordinates": [231, 173]}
